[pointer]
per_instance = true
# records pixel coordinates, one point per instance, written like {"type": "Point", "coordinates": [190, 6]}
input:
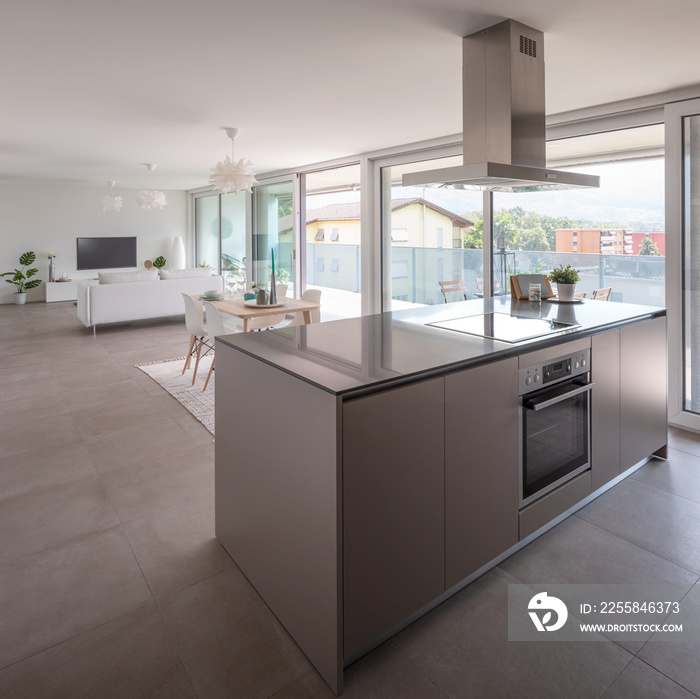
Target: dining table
{"type": "Point", "coordinates": [238, 307]}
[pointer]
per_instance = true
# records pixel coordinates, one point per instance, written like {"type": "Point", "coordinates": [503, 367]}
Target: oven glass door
{"type": "Point", "coordinates": [555, 427]}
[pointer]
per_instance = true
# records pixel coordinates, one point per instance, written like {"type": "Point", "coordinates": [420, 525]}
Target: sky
{"type": "Point", "coordinates": [631, 194]}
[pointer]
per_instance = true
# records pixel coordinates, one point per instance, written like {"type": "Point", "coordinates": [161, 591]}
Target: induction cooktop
{"type": "Point", "coordinates": [504, 326]}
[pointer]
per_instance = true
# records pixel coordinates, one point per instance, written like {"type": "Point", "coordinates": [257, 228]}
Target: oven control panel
{"type": "Point", "coordinates": [538, 375]}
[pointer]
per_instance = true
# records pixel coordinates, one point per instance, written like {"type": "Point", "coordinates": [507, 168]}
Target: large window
{"type": "Point", "coordinates": [613, 235]}
{"type": "Point", "coordinates": [233, 235]}
{"type": "Point", "coordinates": [220, 234]}
{"type": "Point", "coordinates": [206, 226]}
{"type": "Point", "coordinates": [430, 234]}
{"type": "Point", "coordinates": [333, 239]}
{"type": "Point", "coordinates": [428, 237]}
{"type": "Point", "coordinates": [273, 232]}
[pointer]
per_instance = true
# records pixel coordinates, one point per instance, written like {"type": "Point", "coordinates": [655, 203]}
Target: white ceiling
{"type": "Point", "coordinates": [91, 89]}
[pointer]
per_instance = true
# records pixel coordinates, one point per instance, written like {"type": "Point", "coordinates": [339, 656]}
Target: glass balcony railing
{"type": "Point", "coordinates": [416, 272]}
{"type": "Point", "coordinates": [633, 278]}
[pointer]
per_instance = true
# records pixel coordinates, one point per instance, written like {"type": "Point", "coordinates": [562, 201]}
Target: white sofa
{"type": "Point", "coordinates": [125, 296]}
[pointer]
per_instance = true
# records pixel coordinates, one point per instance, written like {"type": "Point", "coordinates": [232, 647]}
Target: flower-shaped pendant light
{"type": "Point", "coordinates": [232, 176]}
{"type": "Point", "coordinates": [110, 203]}
{"type": "Point", "coordinates": [149, 198]}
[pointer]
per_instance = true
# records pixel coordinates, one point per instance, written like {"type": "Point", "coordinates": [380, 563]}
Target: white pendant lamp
{"type": "Point", "coordinates": [111, 203]}
{"type": "Point", "coordinates": [148, 199]}
{"type": "Point", "coordinates": [232, 176]}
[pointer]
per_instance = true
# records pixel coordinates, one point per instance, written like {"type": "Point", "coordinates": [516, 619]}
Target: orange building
{"type": "Point", "coordinates": [597, 241]}
{"type": "Point", "coordinates": [658, 237]}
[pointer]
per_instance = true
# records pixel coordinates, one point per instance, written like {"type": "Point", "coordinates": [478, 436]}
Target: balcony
{"type": "Point", "coordinates": [417, 271]}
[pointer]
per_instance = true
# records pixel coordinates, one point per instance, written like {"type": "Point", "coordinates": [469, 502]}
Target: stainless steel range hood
{"type": "Point", "coordinates": [503, 117]}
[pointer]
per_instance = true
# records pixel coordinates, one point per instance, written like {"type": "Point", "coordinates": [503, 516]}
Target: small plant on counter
{"type": "Point", "coordinates": [564, 275]}
{"type": "Point", "coordinates": [159, 262]}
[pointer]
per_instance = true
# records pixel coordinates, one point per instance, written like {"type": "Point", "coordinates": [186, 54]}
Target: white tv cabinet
{"type": "Point", "coordinates": [61, 291]}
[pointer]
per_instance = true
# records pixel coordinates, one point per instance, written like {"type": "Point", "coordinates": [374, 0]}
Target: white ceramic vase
{"type": "Point", "coordinates": [565, 292]}
{"type": "Point", "coordinates": [177, 254]}
{"type": "Point", "coordinates": [20, 299]}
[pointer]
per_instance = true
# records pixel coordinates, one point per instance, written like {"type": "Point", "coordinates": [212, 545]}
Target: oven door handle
{"type": "Point", "coordinates": [542, 402]}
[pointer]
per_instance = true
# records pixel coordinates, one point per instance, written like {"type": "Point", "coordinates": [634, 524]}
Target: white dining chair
{"type": "Point", "coordinates": [312, 296]}
{"type": "Point", "coordinates": [215, 327]}
{"type": "Point", "coordinates": [194, 321]}
{"type": "Point", "coordinates": [267, 321]}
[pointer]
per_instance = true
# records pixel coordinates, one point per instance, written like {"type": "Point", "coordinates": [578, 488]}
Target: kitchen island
{"type": "Point", "coordinates": [369, 468]}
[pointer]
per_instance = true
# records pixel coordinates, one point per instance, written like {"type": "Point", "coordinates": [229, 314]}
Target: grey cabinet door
{"type": "Point", "coordinates": [393, 508]}
{"type": "Point", "coordinates": [481, 466]}
{"type": "Point", "coordinates": [643, 377]}
{"type": "Point", "coordinates": [605, 407]}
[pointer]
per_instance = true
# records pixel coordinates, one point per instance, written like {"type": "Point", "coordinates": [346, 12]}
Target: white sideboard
{"type": "Point", "coordinates": [61, 291]}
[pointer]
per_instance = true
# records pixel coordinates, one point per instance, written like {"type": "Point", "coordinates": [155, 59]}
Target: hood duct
{"type": "Point", "coordinates": [503, 117]}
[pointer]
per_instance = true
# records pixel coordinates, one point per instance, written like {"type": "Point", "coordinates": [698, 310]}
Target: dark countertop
{"type": "Point", "coordinates": [361, 354]}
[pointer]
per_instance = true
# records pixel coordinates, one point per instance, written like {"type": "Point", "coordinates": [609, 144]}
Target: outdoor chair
{"type": "Point", "coordinates": [455, 286]}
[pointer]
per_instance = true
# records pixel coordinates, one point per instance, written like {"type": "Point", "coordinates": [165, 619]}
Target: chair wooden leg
{"type": "Point", "coordinates": [196, 364]}
{"type": "Point", "coordinates": [189, 354]}
{"type": "Point", "coordinates": [211, 368]}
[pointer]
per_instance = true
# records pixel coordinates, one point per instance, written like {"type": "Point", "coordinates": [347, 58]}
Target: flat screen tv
{"type": "Point", "coordinates": [106, 253]}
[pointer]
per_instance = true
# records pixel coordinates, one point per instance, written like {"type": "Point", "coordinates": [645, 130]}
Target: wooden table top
{"type": "Point", "coordinates": [237, 307]}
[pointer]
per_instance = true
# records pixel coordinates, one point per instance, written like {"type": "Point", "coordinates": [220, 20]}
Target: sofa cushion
{"type": "Point", "coordinates": [183, 273]}
{"type": "Point", "coordinates": [146, 275]}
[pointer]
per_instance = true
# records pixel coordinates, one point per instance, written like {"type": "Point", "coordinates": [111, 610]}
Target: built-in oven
{"type": "Point", "coordinates": [555, 423]}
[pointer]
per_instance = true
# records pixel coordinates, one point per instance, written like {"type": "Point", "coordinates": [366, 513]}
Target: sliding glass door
{"type": "Point", "coordinates": [614, 236]}
{"type": "Point", "coordinates": [206, 231]}
{"type": "Point", "coordinates": [683, 255]}
{"type": "Point", "coordinates": [233, 238]}
{"type": "Point", "coordinates": [429, 235]}
{"type": "Point", "coordinates": [274, 233]}
{"type": "Point", "coordinates": [220, 234]}
{"type": "Point", "coordinates": [332, 237]}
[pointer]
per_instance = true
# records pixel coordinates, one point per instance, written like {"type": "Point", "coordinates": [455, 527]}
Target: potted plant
{"type": "Point", "coordinates": [21, 279]}
{"type": "Point", "coordinates": [565, 278]}
{"type": "Point", "coordinates": [159, 262]}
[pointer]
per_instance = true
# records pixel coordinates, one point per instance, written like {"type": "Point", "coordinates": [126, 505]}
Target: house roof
{"type": "Point", "coordinates": [457, 220]}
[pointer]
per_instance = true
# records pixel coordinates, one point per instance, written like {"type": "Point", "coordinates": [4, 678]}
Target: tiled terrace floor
{"type": "Point", "coordinates": [113, 585]}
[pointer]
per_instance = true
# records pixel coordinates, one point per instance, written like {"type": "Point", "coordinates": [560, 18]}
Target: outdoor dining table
{"type": "Point", "coordinates": [237, 307]}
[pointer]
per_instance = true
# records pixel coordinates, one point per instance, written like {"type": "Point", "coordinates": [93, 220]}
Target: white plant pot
{"type": "Point", "coordinates": [20, 299]}
{"type": "Point", "coordinates": [565, 292]}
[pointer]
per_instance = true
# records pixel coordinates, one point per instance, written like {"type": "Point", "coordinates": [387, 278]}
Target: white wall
{"type": "Point", "coordinates": [49, 219]}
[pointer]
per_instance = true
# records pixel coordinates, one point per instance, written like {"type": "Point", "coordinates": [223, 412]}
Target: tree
{"type": "Point", "coordinates": [284, 206]}
{"type": "Point", "coordinates": [473, 238]}
{"type": "Point", "coordinates": [522, 229]}
{"type": "Point", "coordinates": [648, 247]}
{"type": "Point", "coordinates": [533, 239]}
{"type": "Point", "coordinates": [503, 225]}
{"type": "Point", "coordinates": [504, 228]}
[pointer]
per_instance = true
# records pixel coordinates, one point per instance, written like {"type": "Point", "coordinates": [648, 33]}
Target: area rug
{"type": "Point", "coordinates": [168, 374]}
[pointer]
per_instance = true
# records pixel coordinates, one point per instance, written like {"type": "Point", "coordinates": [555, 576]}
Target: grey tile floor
{"type": "Point", "coordinates": [113, 585]}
